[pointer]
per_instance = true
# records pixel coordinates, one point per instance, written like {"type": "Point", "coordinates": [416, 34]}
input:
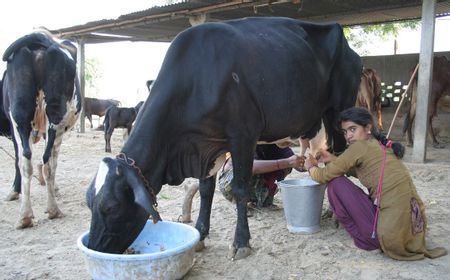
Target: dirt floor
{"type": "Point", "coordinates": [48, 250]}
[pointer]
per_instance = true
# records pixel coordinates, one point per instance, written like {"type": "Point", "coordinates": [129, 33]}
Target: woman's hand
{"type": "Point", "coordinates": [325, 156]}
{"type": "Point", "coordinates": [296, 162]}
{"type": "Point", "coordinates": [310, 162]}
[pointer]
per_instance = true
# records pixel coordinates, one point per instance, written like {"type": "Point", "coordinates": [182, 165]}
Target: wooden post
{"type": "Point", "coordinates": [81, 68]}
{"type": "Point", "coordinates": [424, 81]}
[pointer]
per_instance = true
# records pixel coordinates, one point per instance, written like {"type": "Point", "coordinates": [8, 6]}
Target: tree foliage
{"type": "Point", "coordinates": [387, 30]}
{"type": "Point", "coordinates": [92, 75]}
{"type": "Point", "coordinates": [361, 37]}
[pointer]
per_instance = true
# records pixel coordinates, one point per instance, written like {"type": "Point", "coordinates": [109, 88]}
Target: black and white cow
{"type": "Point", "coordinates": [223, 87]}
{"type": "Point", "coordinates": [4, 123]}
{"type": "Point", "coordinates": [119, 117]}
{"type": "Point", "coordinates": [41, 98]}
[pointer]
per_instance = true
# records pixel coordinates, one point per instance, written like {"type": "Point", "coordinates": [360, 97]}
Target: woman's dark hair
{"type": "Point", "coordinates": [362, 116]}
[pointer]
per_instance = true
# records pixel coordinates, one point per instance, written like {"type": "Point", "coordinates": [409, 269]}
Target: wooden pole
{"type": "Point", "coordinates": [81, 64]}
{"type": "Point", "coordinates": [424, 81]}
{"type": "Point", "coordinates": [401, 100]}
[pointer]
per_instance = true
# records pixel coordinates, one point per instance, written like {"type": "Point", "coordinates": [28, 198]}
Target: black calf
{"type": "Point", "coordinates": [118, 117]}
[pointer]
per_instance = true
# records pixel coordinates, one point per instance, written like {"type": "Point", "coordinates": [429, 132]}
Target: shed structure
{"type": "Point", "coordinates": [163, 23]}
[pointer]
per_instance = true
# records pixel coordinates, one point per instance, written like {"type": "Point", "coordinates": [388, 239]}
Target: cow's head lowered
{"type": "Point", "coordinates": [120, 204]}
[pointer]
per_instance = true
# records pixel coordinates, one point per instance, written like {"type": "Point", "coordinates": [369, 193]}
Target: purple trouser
{"type": "Point", "coordinates": [354, 210]}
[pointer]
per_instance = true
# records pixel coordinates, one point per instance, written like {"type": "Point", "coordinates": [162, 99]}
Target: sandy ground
{"type": "Point", "coordinates": [48, 250]}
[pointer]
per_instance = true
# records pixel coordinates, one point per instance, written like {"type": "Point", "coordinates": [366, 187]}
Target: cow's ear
{"type": "Point", "coordinates": [90, 195]}
{"type": "Point", "coordinates": [141, 194]}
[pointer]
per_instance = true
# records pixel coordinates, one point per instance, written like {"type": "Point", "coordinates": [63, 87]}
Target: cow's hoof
{"type": "Point", "coordinates": [238, 254]}
{"type": "Point", "coordinates": [12, 196]}
{"type": "Point", "coordinates": [185, 219]}
{"type": "Point", "coordinates": [200, 246]}
{"type": "Point", "coordinates": [24, 223]}
{"type": "Point", "coordinates": [54, 213]}
{"type": "Point", "coordinates": [438, 146]}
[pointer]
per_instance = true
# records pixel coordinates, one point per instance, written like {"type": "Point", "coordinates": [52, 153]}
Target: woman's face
{"type": "Point", "coordinates": [354, 132]}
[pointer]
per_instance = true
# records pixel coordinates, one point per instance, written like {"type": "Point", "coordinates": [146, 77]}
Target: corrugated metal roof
{"type": "Point", "coordinates": [163, 23]}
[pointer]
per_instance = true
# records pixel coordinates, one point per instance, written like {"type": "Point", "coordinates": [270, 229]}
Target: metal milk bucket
{"type": "Point", "coordinates": [302, 204]}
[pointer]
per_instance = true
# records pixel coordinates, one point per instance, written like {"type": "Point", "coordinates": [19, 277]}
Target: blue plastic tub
{"type": "Point", "coordinates": [164, 250]}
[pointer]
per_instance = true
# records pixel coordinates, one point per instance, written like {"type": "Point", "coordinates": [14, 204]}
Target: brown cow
{"type": "Point", "coordinates": [439, 89]}
{"type": "Point", "coordinates": [95, 106]}
{"type": "Point", "coordinates": [369, 94]}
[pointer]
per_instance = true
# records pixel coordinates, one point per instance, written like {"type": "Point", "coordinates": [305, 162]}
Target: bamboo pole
{"type": "Point", "coordinates": [401, 100]}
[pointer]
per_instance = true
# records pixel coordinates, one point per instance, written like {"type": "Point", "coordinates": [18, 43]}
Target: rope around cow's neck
{"type": "Point", "coordinates": [131, 162]}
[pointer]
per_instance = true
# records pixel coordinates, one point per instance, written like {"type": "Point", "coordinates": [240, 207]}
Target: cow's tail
{"type": "Point", "coordinates": [33, 40]}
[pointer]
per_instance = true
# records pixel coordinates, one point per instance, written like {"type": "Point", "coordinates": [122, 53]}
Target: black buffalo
{"type": "Point", "coordinates": [41, 98]}
{"type": "Point", "coordinates": [223, 87]}
{"type": "Point", "coordinates": [119, 117]}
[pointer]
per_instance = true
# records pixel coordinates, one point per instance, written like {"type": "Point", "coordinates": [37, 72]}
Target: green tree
{"type": "Point", "coordinates": [361, 37]}
{"type": "Point", "coordinates": [92, 75]}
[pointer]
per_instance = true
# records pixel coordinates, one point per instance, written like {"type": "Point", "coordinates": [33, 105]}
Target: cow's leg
{"type": "Point", "coordinates": [412, 115]}
{"type": "Point", "coordinates": [431, 131]}
{"type": "Point", "coordinates": [242, 155]}
{"type": "Point", "coordinates": [26, 170]}
{"type": "Point", "coordinates": [432, 135]}
{"type": "Point", "coordinates": [26, 213]}
{"type": "Point", "coordinates": [108, 134]}
{"type": "Point", "coordinates": [206, 187]}
{"type": "Point", "coordinates": [49, 170]}
{"type": "Point", "coordinates": [16, 188]}
{"type": "Point", "coordinates": [190, 191]}
{"type": "Point", "coordinates": [380, 121]}
{"type": "Point", "coordinates": [127, 132]}
{"type": "Point", "coordinates": [90, 120]}
{"type": "Point", "coordinates": [41, 178]}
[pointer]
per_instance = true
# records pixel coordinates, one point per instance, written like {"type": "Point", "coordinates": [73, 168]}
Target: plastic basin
{"type": "Point", "coordinates": [164, 250]}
